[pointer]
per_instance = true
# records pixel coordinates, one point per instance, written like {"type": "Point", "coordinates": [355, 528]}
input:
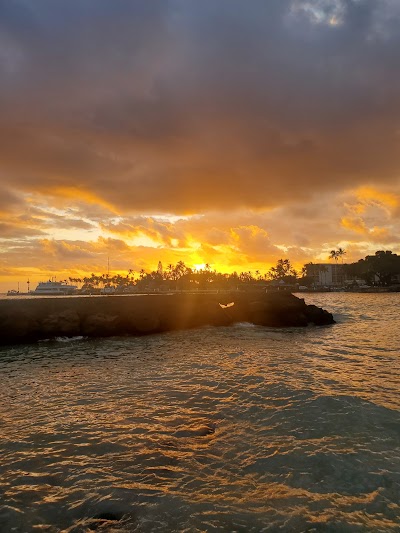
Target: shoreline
{"type": "Point", "coordinates": [221, 293]}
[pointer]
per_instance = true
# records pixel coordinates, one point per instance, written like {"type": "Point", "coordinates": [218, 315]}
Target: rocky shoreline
{"type": "Point", "coordinates": [30, 320]}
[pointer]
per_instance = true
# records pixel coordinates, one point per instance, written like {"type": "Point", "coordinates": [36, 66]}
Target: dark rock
{"type": "Point", "coordinates": [65, 323]}
{"type": "Point", "coordinates": [34, 319]}
{"type": "Point", "coordinates": [18, 326]}
{"type": "Point", "coordinates": [100, 325]}
{"type": "Point", "coordinates": [142, 323]}
{"type": "Point", "coordinates": [318, 316]}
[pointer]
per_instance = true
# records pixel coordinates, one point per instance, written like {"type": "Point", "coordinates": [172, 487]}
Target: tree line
{"type": "Point", "coordinates": [378, 269]}
{"type": "Point", "coordinates": [178, 276]}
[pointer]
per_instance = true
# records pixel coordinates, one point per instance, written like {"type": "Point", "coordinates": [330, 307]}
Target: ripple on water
{"type": "Point", "coordinates": [226, 429]}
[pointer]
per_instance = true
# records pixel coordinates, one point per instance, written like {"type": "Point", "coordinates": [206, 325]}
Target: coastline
{"type": "Point", "coordinates": [221, 292]}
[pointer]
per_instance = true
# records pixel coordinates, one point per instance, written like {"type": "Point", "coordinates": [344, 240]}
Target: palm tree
{"type": "Point", "coordinates": [335, 254]}
{"type": "Point", "coordinates": [170, 271]}
{"type": "Point", "coordinates": [340, 253]}
{"type": "Point", "coordinates": [283, 269]}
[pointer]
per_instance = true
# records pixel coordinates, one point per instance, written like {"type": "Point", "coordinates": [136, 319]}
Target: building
{"type": "Point", "coordinates": [328, 275]}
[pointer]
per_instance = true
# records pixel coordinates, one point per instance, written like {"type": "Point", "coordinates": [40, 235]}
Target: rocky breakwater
{"type": "Point", "coordinates": [29, 320]}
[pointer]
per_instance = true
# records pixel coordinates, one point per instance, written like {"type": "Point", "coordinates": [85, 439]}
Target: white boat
{"type": "Point", "coordinates": [53, 288]}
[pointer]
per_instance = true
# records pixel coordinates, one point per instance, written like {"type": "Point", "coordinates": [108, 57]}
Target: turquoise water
{"type": "Point", "coordinates": [226, 429]}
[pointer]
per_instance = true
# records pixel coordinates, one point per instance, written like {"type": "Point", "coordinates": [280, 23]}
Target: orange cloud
{"type": "Point", "coordinates": [104, 150]}
{"type": "Point", "coordinates": [375, 234]}
{"type": "Point", "coordinates": [86, 196]}
{"type": "Point", "coordinates": [373, 196]}
{"type": "Point", "coordinates": [355, 224]}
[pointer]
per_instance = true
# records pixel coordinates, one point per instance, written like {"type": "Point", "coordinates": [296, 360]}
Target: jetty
{"type": "Point", "coordinates": [30, 320]}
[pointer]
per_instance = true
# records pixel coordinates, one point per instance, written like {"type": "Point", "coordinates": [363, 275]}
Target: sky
{"type": "Point", "coordinates": [231, 133]}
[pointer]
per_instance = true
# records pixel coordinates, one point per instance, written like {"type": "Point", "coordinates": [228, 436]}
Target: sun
{"type": "Point", "coordinates": [199, 266]}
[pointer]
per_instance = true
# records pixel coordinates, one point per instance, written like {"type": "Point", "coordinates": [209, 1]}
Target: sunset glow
{"type": "Point", "coordinates": [218, 133]}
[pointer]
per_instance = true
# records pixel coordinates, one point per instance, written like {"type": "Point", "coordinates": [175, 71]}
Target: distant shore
{"type": "Point", "coordinates": [221, 293]}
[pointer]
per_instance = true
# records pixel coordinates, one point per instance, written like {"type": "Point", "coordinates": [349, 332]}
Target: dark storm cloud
{"type": "Point", "coordinates": [181, 106]}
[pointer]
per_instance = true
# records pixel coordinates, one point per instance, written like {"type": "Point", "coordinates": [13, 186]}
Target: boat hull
{"type": "Point", "coordinates": [51, 293]}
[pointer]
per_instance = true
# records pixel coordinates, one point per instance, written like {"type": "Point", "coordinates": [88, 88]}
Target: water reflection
{"type": "Point", "coordinates": [235, 429]}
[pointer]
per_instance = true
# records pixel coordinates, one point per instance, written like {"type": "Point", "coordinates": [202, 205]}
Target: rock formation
{"type": "Point", "coordinates": [29, 320]}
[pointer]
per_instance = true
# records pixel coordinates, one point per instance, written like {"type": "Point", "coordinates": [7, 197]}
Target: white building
{"type": "Point", "coordinates": [328, 274]}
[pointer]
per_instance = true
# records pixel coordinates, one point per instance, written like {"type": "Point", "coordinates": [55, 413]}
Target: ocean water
{"type": "Point", "coordinates": [239, 429]}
